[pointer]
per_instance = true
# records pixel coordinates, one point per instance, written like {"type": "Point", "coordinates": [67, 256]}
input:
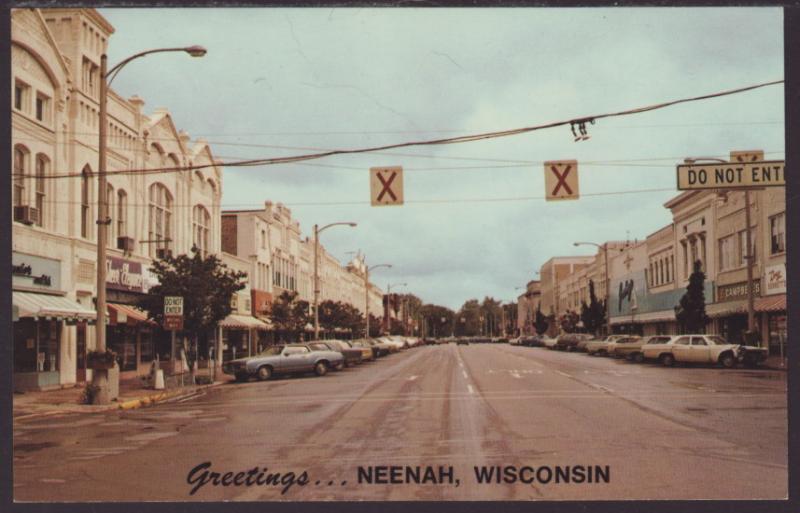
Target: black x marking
{"type": "Point", "coordinates": [387, 186]}
{"type": "Point", "coordinates": [562, 179]}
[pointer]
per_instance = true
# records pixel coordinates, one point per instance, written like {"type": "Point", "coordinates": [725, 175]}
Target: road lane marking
{"type": "Point", "coordinates": [563, 374]}
{"type": "Point", "coordinates": [471, 391]}
{"type": "Point", "coordinates": [465, 374]}
{"type": "Point", "coordinates": [515, 374]}
{"type": "Point", "coordinates": [412, 378]}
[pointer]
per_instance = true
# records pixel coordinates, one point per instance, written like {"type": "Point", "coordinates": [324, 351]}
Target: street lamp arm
{"type": "Point", "coordinates": [352, 225]}
{"type": "Point", "coordinates": [692, 160]}
{"type": "Point", "coordinates": [378, 265]}
{"type": "Point", "coordinates": [587, 243]}
{"type": "Point", "coordinates": [194, 51]}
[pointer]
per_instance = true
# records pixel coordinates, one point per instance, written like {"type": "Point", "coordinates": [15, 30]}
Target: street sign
{"type": "Point", "coordinates": [561, 180]}
{"type": "Point", "coordinates": [173, 305]}
{"type": "Point", "coordinates": [386, 185]}
{"type": "Point", "coordinates": [731, 175]}
{"type": "Point", "coordinates": [173, 322]}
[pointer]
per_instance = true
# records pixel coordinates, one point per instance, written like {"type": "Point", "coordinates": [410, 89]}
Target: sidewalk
{"type": "Point", "coordinates": [133, 393]}
{"type": "Point", "coordinates": [775, 363]}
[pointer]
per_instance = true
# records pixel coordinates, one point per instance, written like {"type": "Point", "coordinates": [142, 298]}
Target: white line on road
{"type": "Point", "coordinates": [563, 374]}
{"type": "Point", "coordinates": [471, 391]}
{"type": "Point", "coordinates": [516, 374]}
{"type": "Point", "coordinates": [412, 378]}
{"type": "Point", "coordinates": [465, 374]}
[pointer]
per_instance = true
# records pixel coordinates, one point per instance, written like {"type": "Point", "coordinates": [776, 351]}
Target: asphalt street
{"type": "Point", "coordinates": [663, 433]}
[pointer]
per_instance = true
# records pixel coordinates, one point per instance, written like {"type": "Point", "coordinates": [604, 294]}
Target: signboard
{"type": "Point", "coordinates": [124, 275]}
{"type": "Point", "coordinates": [173, 322]}
{"type": "Point", "coordinates": [736, 291]}
{"type": "Point", "coordinates": [561, 180]}
{"type": "Point", "coordinates": [769, 173]}
{"type": "Point", "coordinates": [747, 156]}
{"type": "Point", "coordinates": [775, 279]}
{"type": "Point", "coordinates": [386, 186]}
{"type": "Point", "coordinates": [173, 305]}
{"type": "Point", "coordinates": [28, 271]}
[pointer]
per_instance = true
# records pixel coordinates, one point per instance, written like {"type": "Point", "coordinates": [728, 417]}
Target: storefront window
{"type": "Point", "coordinates": [25, 345]}
{"type": "Point", "coordinates": [47, 357]}
{"type": "Point", "coordinates": [777, 333]}
{"type": "Point", "coordinates": [122, 340]}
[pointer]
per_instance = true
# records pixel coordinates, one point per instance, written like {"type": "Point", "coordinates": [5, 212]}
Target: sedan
{"type": "Point", "coordinates": [351, 355]}
{"type": "Point", "coordinates": [284, 359]}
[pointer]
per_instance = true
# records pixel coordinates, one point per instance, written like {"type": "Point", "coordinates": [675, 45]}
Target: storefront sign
{"type": "Point", "coordinates": [775, 279]}
{"type": "Point", "coordinates": [124, 275]}
{"type": "Point", "coordinates": [35, 272]}
{"type": "Point", "coordinates": [736, 291]}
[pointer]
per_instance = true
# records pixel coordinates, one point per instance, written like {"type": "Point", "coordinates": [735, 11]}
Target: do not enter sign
{"type": "Point", "coordinates": [561, 180]}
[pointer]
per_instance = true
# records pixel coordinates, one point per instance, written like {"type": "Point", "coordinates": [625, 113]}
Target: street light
{"type": "Point", "coordinates": [751, 316]}
{"type": "Point", "coordinates": [317, 231]}
{"type": "Point", "coordinates": [604, 247]}
{"type": "Point", "coordinates": [100, 376]}
{"type": "Point", "coordinates": [366, 291]}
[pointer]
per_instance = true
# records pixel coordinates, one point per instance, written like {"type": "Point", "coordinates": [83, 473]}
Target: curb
{"type": "Point", "coordinates": [130, 404]}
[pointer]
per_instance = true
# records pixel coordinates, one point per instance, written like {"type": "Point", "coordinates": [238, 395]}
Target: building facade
{"type": "Point", "coordinates": [55, 115]}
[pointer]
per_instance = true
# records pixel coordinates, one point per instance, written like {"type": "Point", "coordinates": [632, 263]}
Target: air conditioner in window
{"type": "Point", "coordinates": [162, 253]}
{"type": "Point", "coordinates": [26, 215]}
{"type": "Point", "coordinates": [125, 244]}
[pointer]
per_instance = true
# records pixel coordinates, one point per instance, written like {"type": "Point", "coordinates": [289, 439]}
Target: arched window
{"type": "Point", "coordinates": [42, 163]}
{"type": "Point", "coordinates": [201, 221]}
{"type": "Point", "coordinates": [86, 182]}
{"type": "Point", "coordinates": [160, 232]}
{"type": "Point", "coordinates": [20, 168]}
{"type": "Point", "coordinates": [122, 213]}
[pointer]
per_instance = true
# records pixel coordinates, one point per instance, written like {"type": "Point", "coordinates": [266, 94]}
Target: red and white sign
{"type": "Point", "coordinates": [386, 185]}
{"type": "Point", "coordinates": [775, 279]}
{"type": "Point", "coordinates": [561, 180]}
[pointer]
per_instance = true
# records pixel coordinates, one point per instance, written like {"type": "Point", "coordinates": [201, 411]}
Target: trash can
{"type": "Point", "coordinates": [158, 382]}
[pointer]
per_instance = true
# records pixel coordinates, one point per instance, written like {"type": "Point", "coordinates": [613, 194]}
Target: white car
{"type": "Point", "coordinates": [600, 347]}
{"type": "Point", "coordinates": [701, 348]}
{"type": "Point", "coordinates": [550, 343]}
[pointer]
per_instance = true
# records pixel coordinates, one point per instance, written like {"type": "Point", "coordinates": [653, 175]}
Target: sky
{"type": "Point", "coordinates": [288, 81]}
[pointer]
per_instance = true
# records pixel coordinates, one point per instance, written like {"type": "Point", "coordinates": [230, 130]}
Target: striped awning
{"type": "Point", "coordinates": [726, 308]}
{"type": "Point", "coordinates": [266, 321]}
{"type": "Point", "coordinates": [44, 306]}
{"type": "Point", "coordinates": [126, 314]}
{"type": "Point", "coordinates": [243, 322]}
{"type": "Point", "coordinates": [776, 303]}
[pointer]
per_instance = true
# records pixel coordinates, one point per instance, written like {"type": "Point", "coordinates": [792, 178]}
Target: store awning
{"type": "Point", "coordinates": [776, 303]}
{"type": "Point", "coordinates": [44, 306]}
{"type": "Point", "coordinates": [126, 314]}
{"type": "Point", "coordinates": [243, 322]}
{"type": "Point", "coordinates": [726, 308]}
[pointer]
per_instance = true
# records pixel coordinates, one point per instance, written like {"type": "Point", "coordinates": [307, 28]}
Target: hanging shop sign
{"type": "Point", "coordinates": [775, 279]}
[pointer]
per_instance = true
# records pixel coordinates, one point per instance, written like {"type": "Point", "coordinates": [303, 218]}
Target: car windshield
{"type": "Point", "coordinates": [716, 339]}
{"type": "Point", "coordinates": [272, 350]}
{"type": "Point", "coordinates": [319, 346]}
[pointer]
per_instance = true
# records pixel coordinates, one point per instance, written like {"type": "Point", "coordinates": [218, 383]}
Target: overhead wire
{"type": "Point", "coordinates": [431, 142]}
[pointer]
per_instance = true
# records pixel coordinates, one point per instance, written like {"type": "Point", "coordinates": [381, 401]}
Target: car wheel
{"type": "Point", "coordinates": [264, 373]}
{"type": "Point", "coordinates": [321, 368]}
{"type": "Point", "coordinates": [727, 360]}
{"type": "Point", "coordinates": [667, 360]}
{"type": "Point", "coordinates": [638, 357]}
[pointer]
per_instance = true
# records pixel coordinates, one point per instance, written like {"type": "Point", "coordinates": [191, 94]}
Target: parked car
{"type": "Point", "coordinates": [550, 343]}
{"type": "Point", "coordinates": [606, 347]}
{"type": "Point", "coordinates": [516, 341]}
{"type": "Point", "coordinates": [352, 356]}
{"type": "Point", "coordinates": [631, 349]}
{"type": "Point", "coordinates": [701, 348]}
{"type": "Point", "coordinates": [283, 359]}
{"type": "Point", "coordinates": [462, 341]}
{"type": "Point", "coordinates": [367, 351]}
{"type": "Point", "coordinates": [659, 349]}
{"type": "Point", "coordinates": [601, 347]}
{"type": "Point", "coordinates": [569, 341]}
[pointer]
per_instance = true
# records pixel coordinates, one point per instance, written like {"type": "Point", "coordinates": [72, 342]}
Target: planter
{"type": "Point", "coordinates": [96, 360]}
{"type": "Point", "coordinates": [99, 364]}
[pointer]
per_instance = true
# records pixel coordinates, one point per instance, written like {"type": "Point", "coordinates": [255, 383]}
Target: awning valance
{"type": "Point", "coordinates": [243, 322]}
{"type": "Point", "coordinates": [726, 308]}
{"type": "Point", "coordinates": [44, 306]}
{"type": "Point", "coordinates": [126, 314]}
{"type": "Point", "coordinates": [776, 303]}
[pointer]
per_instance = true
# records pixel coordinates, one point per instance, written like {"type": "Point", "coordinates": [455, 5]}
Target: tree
{"type": "Point", "coordinates": [206, 286]}
{"type": "Point", "coordinates": [437, 320]}
{"type": "Point", "coordinates": [691, 311]}
{"type": "Point", "coordinates": [593, 315]}
{"type": "Point", "coordinates": [289, 315]}
{"type": "Point", "coordinates": [336, 314]}
{"type": "Point", "coordinates": [541, 322]}
{"type": "Point", "coordinates": [569, 321]}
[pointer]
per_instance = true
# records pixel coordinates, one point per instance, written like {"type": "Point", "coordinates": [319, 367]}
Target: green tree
{"type": "Point", "coordinates": [593, 315]}
{"type": "Point", "coordinates": [206, 286]}
{"type": "Point", "coordinates": [540, 322]}
{"type": "Point", "coordinates": [290, 315]}
{"type": "Point", "coordinates": [468, 321]}
{"type": "Point", "coordinates": [432, 320]}
{"type": "Point", "coordinates": [336, 314]}
{"type": "Point", "coordinates": [691, 311]}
